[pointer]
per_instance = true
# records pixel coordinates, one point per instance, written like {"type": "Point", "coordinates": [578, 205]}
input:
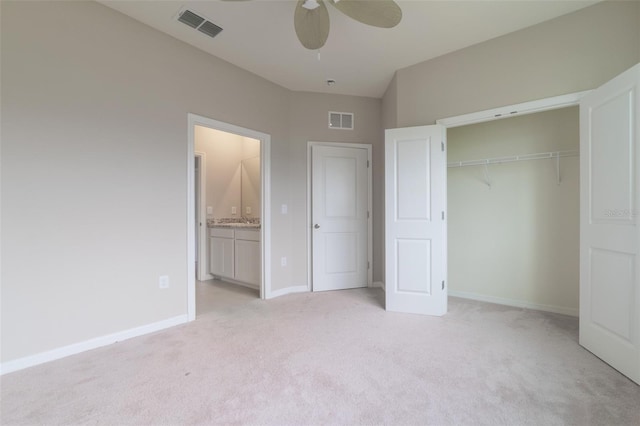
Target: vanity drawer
{"type": "Point", "coordinates": [247, 235]}
{"type": "Point", "coordinates": [221, 232]}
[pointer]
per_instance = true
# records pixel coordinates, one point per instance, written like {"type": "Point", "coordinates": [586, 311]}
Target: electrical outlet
{"type": "Point", "coordinates": [284, 209]}
{"type": "Point", "coordinates": [209, 210]}
{"type": "Point", "coordinates": [234, 210]}
{"type": "Point", "coordinates": [248, 209]}
{"type": "Point", "coordinates": [283, 261]}
{"type": "Point", "coordinates": [163, 281]}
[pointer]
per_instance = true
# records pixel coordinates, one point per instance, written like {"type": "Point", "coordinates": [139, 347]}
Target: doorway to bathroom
{"type": "Point", "coordinates": [229, 199]}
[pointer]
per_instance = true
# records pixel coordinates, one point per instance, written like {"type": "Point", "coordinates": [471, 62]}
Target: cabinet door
{"type": "Point", "coordinates": [221, 257]}
{"type": "Point", "coordinates": [248, 262]}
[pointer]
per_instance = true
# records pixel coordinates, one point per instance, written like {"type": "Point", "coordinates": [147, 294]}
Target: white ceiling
{"type": "Point", "coordinates": [259, 36]}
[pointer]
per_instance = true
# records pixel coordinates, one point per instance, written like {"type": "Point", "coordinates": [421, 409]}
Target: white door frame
{"type": "Point", "coordinates": [265, 219]}
{"type": "Point", "coordinates": [202, 273]}
{"type": "Point", "coordinates": [367, 146]}
{"type": "Point", "coordinates": [540, 105]}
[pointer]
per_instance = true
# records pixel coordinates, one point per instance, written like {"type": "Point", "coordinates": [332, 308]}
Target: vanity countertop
{"type": "Point", "coordinates": [243, 225]}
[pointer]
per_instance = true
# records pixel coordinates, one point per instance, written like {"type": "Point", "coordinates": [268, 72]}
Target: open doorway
{"type": "Point", "coordinates": [416, 191]}
{"type": "Point", "coordinates": [526, 155]}
{"type": "Point", "coordinates": [229, 220]}
{"type": "Point", "coordinates": [513, 211]}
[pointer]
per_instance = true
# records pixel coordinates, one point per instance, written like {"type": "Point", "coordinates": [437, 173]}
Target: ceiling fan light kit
{"type": "Point", "coordinates": [311, 4]}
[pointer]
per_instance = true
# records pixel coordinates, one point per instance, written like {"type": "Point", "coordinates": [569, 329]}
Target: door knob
{"type": "Point", "coordinates": [316, 226]}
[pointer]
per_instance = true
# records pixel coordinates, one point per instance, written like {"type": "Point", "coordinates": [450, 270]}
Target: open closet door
{"type": "Point", "coordinates": [415, 220]}
{"type": "Point", "coordinates": [609, 231]}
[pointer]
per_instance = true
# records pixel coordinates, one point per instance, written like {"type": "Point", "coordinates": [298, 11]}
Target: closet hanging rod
{"type": "Point", "coordinates": [524, 157]}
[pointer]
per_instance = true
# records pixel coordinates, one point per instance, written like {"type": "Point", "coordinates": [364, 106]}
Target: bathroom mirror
{"type": "Point", "coordinates": [250, 187]}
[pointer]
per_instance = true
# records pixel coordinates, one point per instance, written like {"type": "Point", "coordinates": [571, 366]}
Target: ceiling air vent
{"type": "Point", "coordinates": [209, 28]}
{"type": "Point", "coordinates": [198, 22]}
{"type": "Point", "coordinates": [341, 120]}
{"type": "Point", "coordinates": [190, 18]}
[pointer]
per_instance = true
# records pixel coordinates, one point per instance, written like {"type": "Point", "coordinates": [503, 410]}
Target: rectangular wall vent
{"type": "Point", "coordinates": [341, 120]}
{"type": "Point", "coordinates": [199, 23]}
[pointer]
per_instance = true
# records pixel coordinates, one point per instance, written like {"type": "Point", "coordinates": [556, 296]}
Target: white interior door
{"type": "Point", "coordinates": [415, 220]}
{"type": "Point", "coordinates": [339, 188]}
{"type": "Point", "coordinates": [609, 231]}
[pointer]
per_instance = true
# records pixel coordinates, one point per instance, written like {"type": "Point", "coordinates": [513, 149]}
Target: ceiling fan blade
{"type": "Point", "coordinates": [378, 13]}
{"type": "Point", "coordinates": [312, 26]}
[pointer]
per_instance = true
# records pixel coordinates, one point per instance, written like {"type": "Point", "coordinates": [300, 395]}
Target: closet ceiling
{"type": "Point", "coordinates": [259, 36]}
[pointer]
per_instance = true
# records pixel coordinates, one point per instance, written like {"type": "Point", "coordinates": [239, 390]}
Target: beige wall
{"type": "Point", "coordinates": [250, 180]}
{"type": "Point", "coordinates": [390, 105]}
{"type": "Point", "coordinates": [517, 241]}
{"type": "Point", "coordinates": [309, 122]}
{"type": "Point", "coordinates": [575, 52]}
{"type": "Point", "coordinates": [94, 168]}
{"type": "Point", "coordinates": [94, 145]}
{"type": "Point", "coordinates": [223, 152]}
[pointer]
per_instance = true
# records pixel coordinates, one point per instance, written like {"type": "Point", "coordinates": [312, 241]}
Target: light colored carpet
{"type": "Point", "coordinates": [332, 358]}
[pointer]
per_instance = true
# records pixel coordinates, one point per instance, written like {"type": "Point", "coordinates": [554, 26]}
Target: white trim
{"type": "Point", "coordinates": [378, 284]}
{"type": "Point", "coordinates": [191, 223]}
{"type": "Point", "coordinates": [235, 282]}
{"type": "Point", "coordinates": [531, 107]}
{"type": "Point", "coordinates": [289, 290]}
{"type": "Point", "coordinates": [265, 218]}
{"type": "Point", "coordinates": [368, 147]}
{"type": "Point", "coordinates": [516, 303]}
{"type": "Point", "coordinates": [97, 342]}
{"type": "Point", "coordinates": [203, 261]}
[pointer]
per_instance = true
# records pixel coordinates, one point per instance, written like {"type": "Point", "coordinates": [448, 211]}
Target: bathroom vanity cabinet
{"type": "Point", "coordinates": [234, 254]}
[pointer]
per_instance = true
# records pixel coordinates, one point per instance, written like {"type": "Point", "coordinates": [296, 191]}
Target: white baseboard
{"type": "Point", "coordinates": [65, 351]}
{"type": "Point", "coordinates": [288, 290]}
{"type": "Point", "coordinates": [516, 303]}
{"type": "Point", "coordinates": [205, 277]}
{"type": "Point", "coordinates": [378, 284]}
{"type": "Point", "coordinates": [240, 283]}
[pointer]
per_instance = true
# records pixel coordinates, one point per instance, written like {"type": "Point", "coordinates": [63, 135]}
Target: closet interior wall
{"type": "Point", "coordinates": [516, 241]}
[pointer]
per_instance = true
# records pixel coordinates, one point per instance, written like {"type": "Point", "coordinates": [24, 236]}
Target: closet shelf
{"type": "Point", "coordinates": [525, 157]}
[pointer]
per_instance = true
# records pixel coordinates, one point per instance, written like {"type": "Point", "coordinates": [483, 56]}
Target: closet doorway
{"type": "Point", "coordinates": [608, 234]}
{"type": "Point", "coordinates": [513, 192]}
{"type": "Point", "coordinates": [514, 211]}
{"type": "Point", "coordinates": [249, 242]}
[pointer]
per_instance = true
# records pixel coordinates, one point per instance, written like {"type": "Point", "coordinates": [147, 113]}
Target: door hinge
{"type": "Point", "coordinates": [368, 265]}
{"type": "Point", "coordinates": [442, 214]}
{"type": "Point", "coordinates": [367, 164]}
{"type": "Point", "coordinates": [443, 284]}
{"type": "Point", "coordinates": [442, 145]}
{"type": "Point", "coordinates": [368, 215]}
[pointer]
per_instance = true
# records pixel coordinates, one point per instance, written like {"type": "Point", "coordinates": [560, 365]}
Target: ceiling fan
{"type": "Point", "coordinates": [311, 17]}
